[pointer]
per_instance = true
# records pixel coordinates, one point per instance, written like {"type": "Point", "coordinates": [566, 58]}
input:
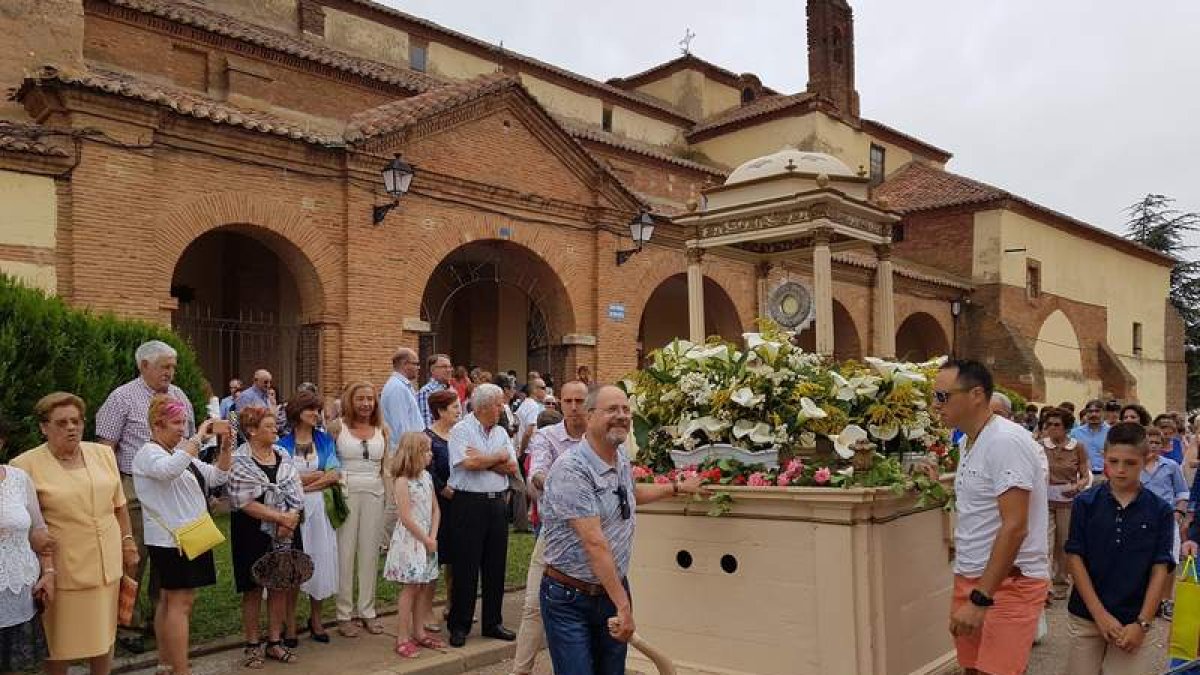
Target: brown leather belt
{"type": "Point", "coordinates": [585, 587]}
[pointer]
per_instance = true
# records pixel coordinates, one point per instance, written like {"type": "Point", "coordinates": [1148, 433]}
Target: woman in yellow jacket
{"type": "Point", "coordinates": [80, 493]}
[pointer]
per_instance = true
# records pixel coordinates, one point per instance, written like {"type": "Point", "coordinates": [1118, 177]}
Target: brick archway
{"type": "Point", "coordinates": [664, 315]}
{"type": "Point", "coordinates": [312, 259]}
{"type": "Point", "coordinates": [920, 337]}
{"type": "Point", "coordinates": [667, 263]}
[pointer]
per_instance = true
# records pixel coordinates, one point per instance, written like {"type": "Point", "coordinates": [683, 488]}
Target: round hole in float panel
{"type": "Point", "coordinates": [683, 559]}
{"type": "Point", "coordinates": [729, 563]}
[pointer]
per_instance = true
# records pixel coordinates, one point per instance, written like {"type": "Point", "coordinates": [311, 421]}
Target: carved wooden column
{"type": "Point", "coordinates": [695, 284]}
{"type": "Point", "coordinates": [885, 304]}
{"type": "Point", "coordinates": [823, 291]}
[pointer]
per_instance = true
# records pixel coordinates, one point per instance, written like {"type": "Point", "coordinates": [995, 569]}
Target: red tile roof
{"type": "Point", "coordinates": [589, 133]}
{"type": "Point", "coordinates": [764, 106]}
{"type": "Point", "coordinates": [917, 186]}
{"type": "Point", "coordinates": [398, 114]}
{"type": "Point", "coordinates": [682, 63]}
{"type": "Point", "coordinates": [184, 102]}
{"type": "Point", "coordinates": [223, 24]}
{"type": "Point", "coordinates": [28, 138]}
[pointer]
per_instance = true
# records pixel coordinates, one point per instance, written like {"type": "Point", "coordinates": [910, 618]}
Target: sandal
{"type": "Point", "coordinates": [348, 629]}
{"type": "Point", "coordinates": [372, 626]}
{"type": "Point", "coordinates": [252, 656]}
{"type": "Point", "coordinates": [408, 649]}
{"type": "Point", "coordinates": [277, 652]}
{"type": "Point", "coordinates": [430, 642]}
{"type": "Point", "coordinates": [291, 642]}
{"type": "Point", "coordinates": [317, 632]}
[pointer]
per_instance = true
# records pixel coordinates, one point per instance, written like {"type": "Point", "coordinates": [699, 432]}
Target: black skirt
{"type": "Point", "coordinates": [445, 551]}
{"type": "Point", "coordinates": [23, 646]}
{"type": "Point", "coordinates": [248, 543]}
{"type": "Point", "coordinates": [176, 573]}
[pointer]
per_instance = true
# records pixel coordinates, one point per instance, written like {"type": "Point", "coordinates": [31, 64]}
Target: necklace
{"type": "Point", "coordinates": [68, 459]}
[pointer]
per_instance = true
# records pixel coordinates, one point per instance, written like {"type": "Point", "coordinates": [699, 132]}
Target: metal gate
{"type": "Point", "coordinates": [236, 346]}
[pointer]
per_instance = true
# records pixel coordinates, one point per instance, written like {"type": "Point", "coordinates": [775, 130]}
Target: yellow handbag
{"type": "Point", "coordinates": [198, 537]}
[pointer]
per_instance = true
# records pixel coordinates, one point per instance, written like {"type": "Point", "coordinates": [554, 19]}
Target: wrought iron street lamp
{"type": "Point", "coordinates": [397, 177]}
{"type": "Point", "coordinates": [641, 228]}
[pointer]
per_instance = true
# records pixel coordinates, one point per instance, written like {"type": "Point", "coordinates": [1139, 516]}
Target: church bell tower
{"type": "Point", "coordinates": [831, 53]}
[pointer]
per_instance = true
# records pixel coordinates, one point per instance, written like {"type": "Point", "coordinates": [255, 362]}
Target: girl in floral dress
{"type": "Point", "coordinates": [412, 555]}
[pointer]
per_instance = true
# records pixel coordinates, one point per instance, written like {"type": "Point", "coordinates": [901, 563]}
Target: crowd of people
{"type": "Point", "coordinates": [1093, 508]}
{"type": "Point", "coordinates": [421, 482]}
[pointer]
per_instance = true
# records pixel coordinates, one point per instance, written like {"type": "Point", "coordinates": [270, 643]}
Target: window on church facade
{"type": "Point", "coordinates": [606, 118]}
{"type": "Point", "coordinates": [1137, 339]}
{"type": "Point", "coordinates": [1033, 278]}
{"type": "Point", "coordinates": [747, 95]}
{"type": "Point", "coordinates": [878, 164]}
{"type": "Point", "coordinates": [418, 54]}
{"type": "Point", "coordinates": [838, 56]}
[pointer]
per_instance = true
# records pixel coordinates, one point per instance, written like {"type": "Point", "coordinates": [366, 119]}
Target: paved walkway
{"type": "Point", "coordinates": [372, 654]}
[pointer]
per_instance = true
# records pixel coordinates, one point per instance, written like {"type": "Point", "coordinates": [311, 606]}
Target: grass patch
{"type": "Point", "coordinates": [218, 608]}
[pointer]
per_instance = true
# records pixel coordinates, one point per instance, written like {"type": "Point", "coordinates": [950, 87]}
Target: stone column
{"type": "Point", "coordinates": [885, 304]}
{"type": "Point", "coordinates": [695, 282]}
{"type": "Point", "coordinates": [763, 277]}
{"type": "Point", "coordinates": [823, 291]}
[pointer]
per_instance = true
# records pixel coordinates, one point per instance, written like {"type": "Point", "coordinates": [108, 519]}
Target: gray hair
{"type": "Point", "coordinates": [1004, 401]}
{"type": "Point", "coordinates": [154, 351]}
{"type": "Point", "coordinates": [485, 394]}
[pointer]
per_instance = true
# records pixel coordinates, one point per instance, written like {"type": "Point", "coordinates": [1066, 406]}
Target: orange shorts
{"type": "Point", "coordinates": [1002, 645]}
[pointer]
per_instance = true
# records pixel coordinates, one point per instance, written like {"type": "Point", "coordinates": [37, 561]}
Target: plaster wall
{"type": "Point", "coordinates": [719, 97]}
{"type": "Point", "coordinates": [365, 38]}
{"type": "Point", "coordinates": [762, 139]}
{"type": "Point", "coordinates": [647, 129]}
{"type": "Point", "coordinates": [31, 274]}
{"type": "Point", "coordinates": [1131, 289]}
{"type": "Point", "coordinates": [30, 210]}
{"type": "Point", "coordinates": [278, 14]}
{"type": "Point", "coordinates": [1058, 350]}
{"type": "Point", "coordinates": [563, 101]}
{"type": "Point", "coordinates": [446, 61]}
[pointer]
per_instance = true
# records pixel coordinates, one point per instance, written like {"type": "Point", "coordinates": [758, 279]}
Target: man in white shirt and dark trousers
{"type": "Point", "coordinates": [527, 414]}
{"type": "Point", "coordinates": [1001, 565]}
{"type": "Point", "coordinates": [481, 461]}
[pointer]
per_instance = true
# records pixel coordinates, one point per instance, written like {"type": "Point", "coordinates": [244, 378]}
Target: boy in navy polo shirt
{"type": "Point", "coordinates": [1119, 553]}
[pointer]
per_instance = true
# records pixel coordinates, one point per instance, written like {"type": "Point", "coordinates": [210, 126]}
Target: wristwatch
{"type": "Point", "coordinates": [979, 599]}
{"type": "Point", "coordinates": [1144, 624]}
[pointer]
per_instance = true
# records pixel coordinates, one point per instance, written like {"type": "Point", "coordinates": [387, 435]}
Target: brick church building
{"type": "Point", "coordinates": [215, 165]}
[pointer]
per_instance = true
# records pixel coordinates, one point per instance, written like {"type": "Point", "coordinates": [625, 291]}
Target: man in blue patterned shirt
{"type": "Point", "coordinates": [440, 370]}
{"type": "Point", "coordinates": [588, 516]}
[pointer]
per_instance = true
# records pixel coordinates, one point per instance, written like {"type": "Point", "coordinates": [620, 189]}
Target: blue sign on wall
{"type": "Point", "coordinates": [616, 311]}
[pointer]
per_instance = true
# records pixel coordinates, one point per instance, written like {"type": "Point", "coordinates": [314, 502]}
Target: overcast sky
{"type": "Point", "coordinates": [1084, 106]}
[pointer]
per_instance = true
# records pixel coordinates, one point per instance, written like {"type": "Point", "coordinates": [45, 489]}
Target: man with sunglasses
{"type": "Point", "coordinates": [588, 516]}
{"type": "Point", "coordinates": [1001, 562]}
{"type": "Point", "coordinates": [1093, 434]}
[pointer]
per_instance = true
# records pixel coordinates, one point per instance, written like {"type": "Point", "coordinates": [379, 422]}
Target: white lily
{"type": "Point", "coordinates": [841, 389]}
{"type": "Point", "coordinates": [810, 410]}
{"type": "Point", "coordinates": [845, 441]}
{"type": "Point", "coordinates": [884, 368]}
{"type": "Point", "coordinates": [711, 426]}
{"type": "Point", "coordinates": [762, 433]}
{"type": "Point", "coordinates": [742, 428]}
{"type": "Point", "coordinates": [884, 433]}
{"type": "Point", "coordinates": [769, 348]}
{"type": "Point", "coordinates": [704, 353]}
{"type": "Point", "coordinates": [746, 398]}
{"type": "Point", "coordinates": [848, 472]}
{"type": "Point", "coordinates": [908, 376]}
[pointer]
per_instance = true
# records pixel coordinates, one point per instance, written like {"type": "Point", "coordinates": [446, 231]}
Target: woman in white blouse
{"type": "Point", "coordinates": [26, 577]}
{"type": "Point", "coordinates": [172, 485]}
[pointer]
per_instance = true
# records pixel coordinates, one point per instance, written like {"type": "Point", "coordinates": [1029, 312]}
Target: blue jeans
{"type": "Point", "coordinates": [577, 631]}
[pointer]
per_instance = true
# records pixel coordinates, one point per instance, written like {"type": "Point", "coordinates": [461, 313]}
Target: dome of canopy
{"type": "Point", "coordinates": [799, 161]}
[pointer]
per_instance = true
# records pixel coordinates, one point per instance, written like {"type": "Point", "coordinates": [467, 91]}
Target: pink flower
{"type": "Point", "coordinates": [662, 480]}
{"type": "Point", "coordinates": [795, 466]}
{"type": "Point", "coordinates": [822, 475]}
{"type": "Point", "coordinates": [687, 474]}
{"type": "Point", "coordinates": [641, 472]}
{"type": "Point", "coordinates": [759, 479]}
{"type": "Point", "coordinates": [784, 480]}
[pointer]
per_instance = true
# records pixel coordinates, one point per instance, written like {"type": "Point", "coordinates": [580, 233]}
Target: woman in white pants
{"type": "Point", "coordinates": [361, 438]}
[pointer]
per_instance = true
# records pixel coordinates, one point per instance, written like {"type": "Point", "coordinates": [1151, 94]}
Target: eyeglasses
{"type": "Point", "coordinates": [1052, 424]}
{"type": "Point", "coordinates": [623, 500]}
{"type": "Point", "coordinates": [1089, 411]}
{"type": "Point", "coordinates": [944, 396]}
{"type": "Point", "coordinates": [366, 450]}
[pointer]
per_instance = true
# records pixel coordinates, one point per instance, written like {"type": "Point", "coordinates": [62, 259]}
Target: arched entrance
{"type": "Point", "coordinates": [665, 316]}
{"type": "Point", "coordinates": [499, 306]}
{"type": "Point", "coordinates": [246, 301]}
{"type": "Point", "coordinates": [1057, 349]}
{"type": "Point", "coordinates": [921, 338]}
{"type": "Point", "coordinates": [846, 343]}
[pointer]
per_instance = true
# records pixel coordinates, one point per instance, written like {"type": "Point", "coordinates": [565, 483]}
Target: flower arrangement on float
{"type": "Point", "coordinates": [771, 415]}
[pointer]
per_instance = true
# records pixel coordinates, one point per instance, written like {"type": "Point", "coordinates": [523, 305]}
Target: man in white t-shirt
{"type": "Point", "coordinates": [1001, 564]}
{"type": "Point", "coordinates": [526, 414]}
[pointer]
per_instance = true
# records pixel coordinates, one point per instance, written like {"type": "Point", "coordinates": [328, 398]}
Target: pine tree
{"type": "Point", "coordinates": [1156, 223]}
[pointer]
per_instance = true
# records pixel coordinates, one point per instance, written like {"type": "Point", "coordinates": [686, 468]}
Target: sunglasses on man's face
{"type": "Point", "coordinates": [623, 500]}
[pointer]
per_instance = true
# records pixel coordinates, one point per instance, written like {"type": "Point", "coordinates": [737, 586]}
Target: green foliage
{"type": "Point", "coordinates": [1156, 223]}
{"type": "Point", "coordinates": [46, 346]}
{"type": "Point", "coordinates": [1018, 401]}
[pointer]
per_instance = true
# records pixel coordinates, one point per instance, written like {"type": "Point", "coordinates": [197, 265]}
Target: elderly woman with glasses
{"type": "Point", "coordinates": [82, 501]}
{"type": "Point", "coordinates": [266, 494]}
{"type": "Point", "coordinates": [361, 439]}
{"type": "Point", "coordinates": [1070, 473]}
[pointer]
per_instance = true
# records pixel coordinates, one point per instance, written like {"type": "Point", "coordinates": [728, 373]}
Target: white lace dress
{"type": "Point", "coordinates": [19, 569]}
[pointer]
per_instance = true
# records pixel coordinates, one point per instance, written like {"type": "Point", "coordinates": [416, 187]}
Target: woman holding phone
{"type": "Point", "coordinates": [173, 487]}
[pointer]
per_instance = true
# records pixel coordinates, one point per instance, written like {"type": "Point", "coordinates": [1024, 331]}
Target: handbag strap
{"type": "Point", "coordinates": [1188, 570]}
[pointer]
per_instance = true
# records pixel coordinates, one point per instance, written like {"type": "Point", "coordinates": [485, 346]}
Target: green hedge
{"type": "Point", "coordinates": [46, 345]}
